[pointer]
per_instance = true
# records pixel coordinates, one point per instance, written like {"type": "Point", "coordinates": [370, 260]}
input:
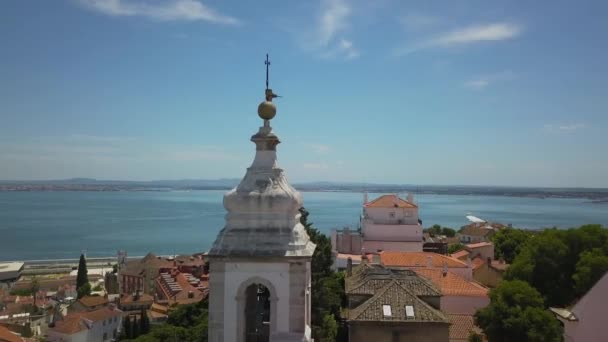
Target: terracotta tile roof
{"type": "Point", "coordinates": [354, 257]}
{"type": "Point", "coordinates": [453, 284]}
{"type": "Point", "coordinates": [461, 327]}
{"type": "Point", "coordinates": [389, 201]}
{"type": "Point", "coordinates": [92, 301]}
{"type": "Point", "coordinates": [73, 323]}
{"type": "Point", "coordinates": [143, 298]}
{"type": "Point", "coordinates": [397, 297]}
{"type": "Point", "coordinates": [462, 254]}
{"type": "Point", "coordinates": [101, 314]}
{"type": "Point", "coordinates": [70, 324]}
{"type": "Point", "coordinates": [479, 244]}
{"type": "Point", "coordinates": [481, 228]}
{"type": "Point", "coordinates": [8, 336]}
{"type": "Point", "coordinates": [498, 265]}
{"type": "Point", "coordinates": [149, 262]}
{"type": "Point", "coordinates": [477, 262]}
{"type": "Point", "coordinates": [419, 259]}
{"type": "Point", "coordinates": [368, 279]}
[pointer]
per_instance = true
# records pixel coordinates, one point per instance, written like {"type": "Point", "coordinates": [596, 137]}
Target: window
{"type": "Point", "coordinates": [391, 214]}
{"type": "Point", "coordinates": [105, 336]}
{"type": "Point", "coordinates": [386, 310]}
{"type": "Point", "coordinates": [409, 311]}
{"type": "Point", "coordinates": [104, 322]}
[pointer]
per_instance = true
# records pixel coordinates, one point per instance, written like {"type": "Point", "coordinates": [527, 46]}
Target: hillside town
{"type": "Point", "coordinates": [270, 275]}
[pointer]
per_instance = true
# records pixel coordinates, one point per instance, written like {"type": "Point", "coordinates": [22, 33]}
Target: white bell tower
{"type": "Point", "coordinates": [260, 262]}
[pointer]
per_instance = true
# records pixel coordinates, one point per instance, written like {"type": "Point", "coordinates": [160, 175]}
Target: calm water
{"type": "Point", "coordinates": [38, 225]}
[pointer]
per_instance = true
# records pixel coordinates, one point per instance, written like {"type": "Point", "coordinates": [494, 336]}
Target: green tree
{"type": "Point", "coordinates": [455, 248]}
{"type": "Point", "coordinates": [508, 242]}
{"type": "Point", "coordinates": [135, 327]}
{"type": "Point", "coordinates": [475, 337]}
{"type": "Point", "coordinates": [434, 230]}
{"type": "Point", "coordinates": [447, 231]}
{"type": "Point", "coordinates": [144, 322]}
{"type": "Point", "coordinates": [516, 313]}
{"type": "Point", "coordinates": [82, 277]}
{"type": "Point", "coordinates": [34, 288]}
{"type": "Point", "coordinates": [591, 266]}
{"type": "Point", "coordinates": [84, 290]}
{"type": "Point", "coordinates": [328, 331]}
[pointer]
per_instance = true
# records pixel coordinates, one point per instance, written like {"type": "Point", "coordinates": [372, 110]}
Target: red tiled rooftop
{"type": "Point", "coordinates": [479, 244]}
{"type": "Point", "coordinates": [91, 301]}
{"type": "Point", "coordinates": [452, 284]}
{"type": "Point", "coordinates": [9, 336]}
{"type": "Point", "coordinates": [390, 201]}
{"type": "Point", "coordinates": [460, 254]}
{"type": "Point", "coordinates": [419, 259]}
{"type": "Point", "coordinates": [461, 327]}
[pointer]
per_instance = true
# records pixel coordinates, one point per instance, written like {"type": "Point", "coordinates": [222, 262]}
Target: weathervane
{"type": "Point", "coordinates": [269, 94]}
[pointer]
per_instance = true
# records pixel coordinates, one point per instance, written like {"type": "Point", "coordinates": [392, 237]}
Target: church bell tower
{"type": "Point", "coordinates": [260, 261]}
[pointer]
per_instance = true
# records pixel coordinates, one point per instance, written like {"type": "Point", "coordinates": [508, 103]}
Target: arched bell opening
{"type": "Point", "coordinates": [257, 313]}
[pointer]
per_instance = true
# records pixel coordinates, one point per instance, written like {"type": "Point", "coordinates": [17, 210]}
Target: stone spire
{"type": "Point", "coordinates": [263, 216]}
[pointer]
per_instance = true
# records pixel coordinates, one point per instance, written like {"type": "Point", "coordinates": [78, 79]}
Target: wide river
{"type": "Point", "coordinates": [41, 225]}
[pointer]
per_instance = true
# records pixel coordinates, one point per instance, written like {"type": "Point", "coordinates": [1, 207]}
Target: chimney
{"type": "Point", "coordinates": [410, 198]}
{"type": "Point", "coordinates": [364, 258]}
{"type": "Point", "coordinates": [445, 269]}
{"type": "Point", "coordinates": [489, 261]}
{"type": "Point", "coordinates": [190, 294]}
{"type": "Point", "coordinates": [349, 267]}
{"type": "Point", "coordinates": [365, 198]}
{"type": "Point", "coordinates": [396, 202]}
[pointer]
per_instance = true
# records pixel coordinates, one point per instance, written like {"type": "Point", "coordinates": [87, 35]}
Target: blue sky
{"type": "Point", "coordinates": [387, 91]}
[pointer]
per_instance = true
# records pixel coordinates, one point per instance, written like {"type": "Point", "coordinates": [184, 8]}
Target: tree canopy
{"type": "Point", "coordinates": [508, 242]}
{"type": "Point", "coordinates": [562, 264]}
{"type": "Point", "coordinates": [517, 313]}
{"type": "Point", "coordinates": [82, 278]}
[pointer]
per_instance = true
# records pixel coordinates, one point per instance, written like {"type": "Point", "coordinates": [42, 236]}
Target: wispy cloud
{"type": "Point", "coordinates": [465, 36]}
{"type": "Point", "coordinates": [319, 148]}
{"type": "Point", "coordinates": [564, 128]}
{"type": "Point", "coordinates": [166, 10]}
{"type": "Point", "coordinates": [481, 82]}
{"type": "Point", "coordinates": [329, 39]}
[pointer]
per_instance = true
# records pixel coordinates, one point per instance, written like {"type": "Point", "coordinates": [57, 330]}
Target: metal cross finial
{"type": "Point", "coordinates": [267, 62]}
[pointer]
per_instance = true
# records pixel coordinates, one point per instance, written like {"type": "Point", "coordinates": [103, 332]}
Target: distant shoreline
{"type": "Point", "coordinates": [596, 196]}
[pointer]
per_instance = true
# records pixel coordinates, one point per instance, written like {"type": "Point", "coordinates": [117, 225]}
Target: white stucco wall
{"type": "Point", "coordinates": [393, 246]}
{"type": "Point", "coordinates": [383, 215]}
{"type": "Point", "coordinates": [463, 304]}
{"type": "Point", "coordinates": [237, 273]}
{"type": "Point", "coordinates": [391, 232]}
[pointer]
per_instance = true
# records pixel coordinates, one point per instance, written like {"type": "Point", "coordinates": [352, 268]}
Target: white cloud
{"type": "Point", "coordinates": [165, 10]}
{"type": "Point", "coordinates": [564, 128]}
{"type": "Point", "coordinates": [319, 148]}
{"type": "Point", "coordinates": [329, 39]}
{"type": "Point", "coordinates": [465, 36]}
{"type": "Point", "coordinates": [481, 82]}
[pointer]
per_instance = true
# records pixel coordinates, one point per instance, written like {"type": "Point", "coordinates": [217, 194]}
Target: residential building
{"type": "Point", "coordinates": [260, 261]}
{"type": "Point", "coordinates": [489, 272]}
{"type": "Point", "coordinates": [175, 287]}
{"type": "Point", "coordinates": [425, 260]}
{"type": "Point", "coordinates": [134, 303]}
{"type": "Point", "coordinates": [585, 321]}
{"type": "Point", "coordinates": [479, 232]}
{"type": "Point", "coordinates": [393, 305]}
{"type": "Point", "coordinates": [388, 223]}
{"type": "Point", "coordinates": [88, 326]}
{"type": "Point", "coordinates": [458, 295]}
{"type": "Point", "coordinates": [139, 275]}
{"type": "Point", "coordinates": [89, 303]}
{"type": "Point", "coordinates": [10, 271]}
